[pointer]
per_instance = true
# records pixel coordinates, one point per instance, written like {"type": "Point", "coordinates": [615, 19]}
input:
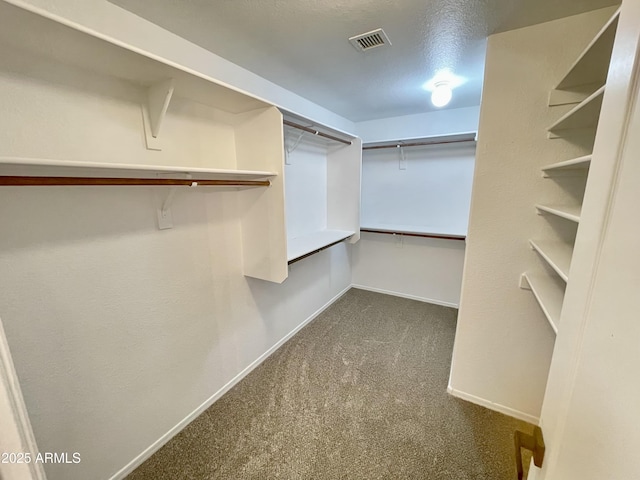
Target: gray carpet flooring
{"type": "Point", "coordinates": [359, 393]}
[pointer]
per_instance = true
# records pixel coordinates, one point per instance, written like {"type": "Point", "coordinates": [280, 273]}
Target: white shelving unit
{"type": "Point", "coordinates": [584, 85]}
{"type": "Point", "coordinates": [99, 110]}
{"type": "Point", "coordinates": [322, 178]}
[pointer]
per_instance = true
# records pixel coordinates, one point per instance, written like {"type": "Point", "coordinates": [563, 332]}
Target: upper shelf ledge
{"type": "Point", "coordinates": [592, 66]}
{"type": "Point", "coordinates": [579, 164]}
{"type": "Point", "coordinates": [571, 213]}
{"type": "Point", "coordinates": [25, 166]}
{"type": "Point", "coordinates": [583, 117]}
{"type": "Point", "coordinates": [34, 33]}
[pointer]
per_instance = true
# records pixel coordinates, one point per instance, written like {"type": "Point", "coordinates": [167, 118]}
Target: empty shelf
{"type": "Point", "coordinates": [583, 116]}
{"type": "Point", "coordinates": [556, 254]}
{"type": "Point", "coordinates": [569, 212]}
{"type": "Point", "coordinates": [549, 296]}
{"type": "Point", "coordinates": [25, 166]}
{"type": "Point", "coordinates": [592, 65]}
{"type": "Point", "coordinates": [28, 30]}
{"type": "Point", "coordinates": [313, 242]}
{"type": "Point", "coordinates": [580, 164]}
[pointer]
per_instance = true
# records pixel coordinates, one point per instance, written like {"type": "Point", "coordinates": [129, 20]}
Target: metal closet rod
{"type": "Point", "coordinates": [315, 132]}
{"type": "Point", "coordinates": [417, 144]}
{"type": "Point", "coordinates": [98, 181]}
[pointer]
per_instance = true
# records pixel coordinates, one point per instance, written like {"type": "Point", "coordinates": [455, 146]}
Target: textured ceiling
{"type": "Point", "coordinates": [303, 45]}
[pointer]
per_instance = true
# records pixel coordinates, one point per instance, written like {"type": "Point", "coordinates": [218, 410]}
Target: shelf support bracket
{"type": "Point", "coordinates": [154, 110]}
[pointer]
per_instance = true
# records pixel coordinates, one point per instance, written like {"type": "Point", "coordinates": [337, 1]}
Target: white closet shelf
{"type": "Point", "coordinates": [568, 212]}
{"type": "Point", "coordinates": [63, 41]}
{"type": "Point", "coordinates": [24, 166]}
{"type": "Point", "coordinates": [592, 66]}
{"type": "Point", "coordinates": [580, 164]}
{"type": "Point", "coordinates": [312, 242]}
{"type": "Point", "coordinates": [556, 254]}
{"type": "Point", "coordinates": [583, 116]}
{"type": "Point", "coordinates": [548, 295]}
{"type": "Point", "coordinates": [411, 230]}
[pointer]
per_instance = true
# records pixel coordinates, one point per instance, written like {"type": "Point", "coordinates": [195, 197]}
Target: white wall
{"type": "Point", "coordinates": [430, 124]}
{"type": "Point", "coordinates": [119, 25]}
{"type": "Point", "coordinates": [425, 269]}
{"type": "Point", "coordinates": [306, 190]}
{"type": "Point", "coordinates": [503, 343]}
{"type": "Point", "coordinates": [432, 192]}
{"type": "Point", "coordinates": [119, 331]}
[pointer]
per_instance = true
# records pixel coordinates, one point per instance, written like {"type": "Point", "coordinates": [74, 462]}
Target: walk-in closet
{"type": "Point", "coordinates": [319, 240]}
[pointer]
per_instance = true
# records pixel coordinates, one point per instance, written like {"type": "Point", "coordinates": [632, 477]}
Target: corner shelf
{"type": "Point", "coordinates": [548, 295]}
{"type": "Point", "coordinates": [556, 254]}
{"type": "Point", "coordinates": [571, 213]}
{"type": "Point", "coordinates": [579, 165]}
{"type": "Point", "coordinates": [592, 66]}
{"type": "Point", "coordinates": [583, 116]}
{"type": "Point", "coordinates": [301, 246]}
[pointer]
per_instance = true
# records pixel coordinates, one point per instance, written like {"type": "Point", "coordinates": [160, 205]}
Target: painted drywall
{"type": "Point", "coordinates": [113, 22]}
{"type": "Point", "coordinates": [425, 269]}
{"type": "Point", "coordinates": [503, 343]}
{"type": "Point", "coordinates": [430, 124]}
{"type": "Point", "coordinates": [306, 190]}
{"type": "Point", "coordinates": [119, 331]}
{"type": "Point", "coordinates": [432, 192]}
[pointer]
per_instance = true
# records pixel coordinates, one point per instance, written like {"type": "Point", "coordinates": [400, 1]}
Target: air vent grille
{"type": "Point", "coordinates": [370, 40]}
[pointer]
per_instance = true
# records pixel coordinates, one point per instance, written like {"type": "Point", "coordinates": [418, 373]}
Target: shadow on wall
{"type": "Point", "coordinates": [312, 282]}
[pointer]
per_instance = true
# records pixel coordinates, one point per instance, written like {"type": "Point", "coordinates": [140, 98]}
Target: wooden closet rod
{"type": "Point", "coordinates": [302, 257]}
{"type": "Point", "coordinates": [96, 181]}
{"type": "Point", "coordinates": [416, 144]}
{"type": "Point", "coordinates": [315, 132]}
{"type": "Point", "coordinates": [422, 235]}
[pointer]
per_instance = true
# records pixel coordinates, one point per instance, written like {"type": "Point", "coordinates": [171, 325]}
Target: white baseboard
{"type": "Point", "coordinates": [404, 295]}
{"type": "Point", "coordinates": [493, 406]}
{"type": "Point", "coordinates": [158, 444]}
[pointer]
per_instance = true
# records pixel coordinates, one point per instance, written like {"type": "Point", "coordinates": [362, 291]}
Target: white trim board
{"type": "Point", "coordinates": [158, 444]}
{"type": "Point", "coordinates": [493, 406]}
{"type": "Point", "coordinates": [405, 295]}
{"type": "Point", "coordinates": [17, 434]}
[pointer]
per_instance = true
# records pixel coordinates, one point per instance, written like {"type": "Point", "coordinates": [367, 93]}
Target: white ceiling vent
{"type": "Point", "coordinates": [370, 40]}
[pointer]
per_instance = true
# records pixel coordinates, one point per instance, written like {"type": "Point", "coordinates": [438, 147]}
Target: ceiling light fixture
{"type": "Point", "coordinates": [441, 87]}
{"type": "Point", "coordinates": [441, 94]}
